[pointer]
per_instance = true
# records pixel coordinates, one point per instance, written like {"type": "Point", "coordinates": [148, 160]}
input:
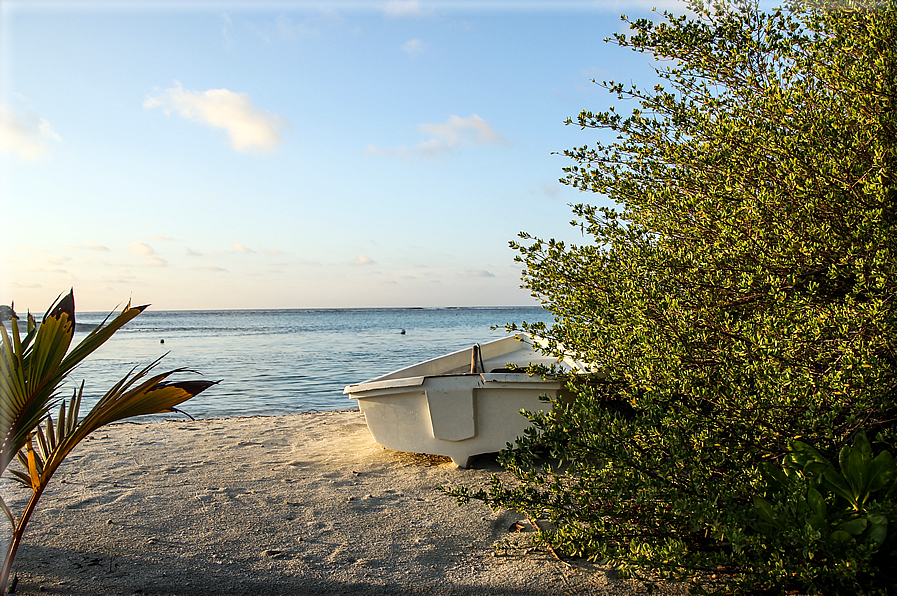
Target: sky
{"type": "Point", "coordinates": [290, 154]}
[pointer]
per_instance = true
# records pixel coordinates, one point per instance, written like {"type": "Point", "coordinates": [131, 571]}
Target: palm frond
{"type": "Point", "coordinates": [35, 466]}
{"type": "Point", "coordinates": [32, 370]}
{"type": "Point", "coordinates": [21, 477]}
{"type": "Point", "coordinates": [8, 513]}
{"type": "Point", "coordinates": [136, 394]}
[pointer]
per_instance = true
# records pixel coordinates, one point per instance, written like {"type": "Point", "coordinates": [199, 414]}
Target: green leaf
{"type": "Point", "coordinates": [31, 371]}
{"type": "Point", "coordinates": [855, 467]}
{"type": "Point", "coordinates": [802, 455]}
{"type": "Point", "coordinates": [765, 511]}
{"type": "Point", "coordinates": [841, 536]}
{"type": "Point", "coordinates": [736, 281]}
{"type": "Point", "coordinates": [816, 502]}
{"type": "Point", "coordinates": [854, 526]}
{"type": "Point", "coordinates": [878, 531]}
{"type": "Point", "coordinates": [882, 472]}
{"type": "Point", "coordinates": [840, 486]}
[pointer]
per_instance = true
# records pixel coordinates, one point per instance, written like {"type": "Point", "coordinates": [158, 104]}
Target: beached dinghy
{"type": "Point", "coordinates": [461, 404]}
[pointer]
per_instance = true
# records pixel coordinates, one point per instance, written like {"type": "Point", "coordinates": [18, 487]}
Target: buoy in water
{"type": "Point", "coordinates": [161, 341]}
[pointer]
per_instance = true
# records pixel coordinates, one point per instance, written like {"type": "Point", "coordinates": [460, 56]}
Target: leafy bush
{"type": "Point", "coordinates": [739, 298]}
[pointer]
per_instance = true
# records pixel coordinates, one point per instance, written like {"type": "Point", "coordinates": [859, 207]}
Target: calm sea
{"type": "Point", "coordinates": [274, 362]}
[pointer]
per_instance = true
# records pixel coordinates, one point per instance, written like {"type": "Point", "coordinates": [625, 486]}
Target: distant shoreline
{"type": "Point", "coordinates": [320, 309]}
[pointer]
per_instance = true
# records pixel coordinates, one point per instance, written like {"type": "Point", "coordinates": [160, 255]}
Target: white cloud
{"type": "Point", "coordinates": [403, 8]}
{"type": "Point", "coordinates": [249, 128]}
{"type": "Point", "coordinates": [595, 73]}
{"type": "Point", "coordinates": [141, 249]}
{"type": "Point", "coordinates": [209, 268]}
{"type": "Point", "coordinates": [552, 189]}
{"type": "Point", "coordinates": [480, 273]}
{"type": "Point", "coordinates": [226, 27]}
{"type": "Point", "coordinates": [95, 246]}
{"type": "Point", "coordinates": [192, 253]}
{"type": "Point", "coordinates": [25, 134]}
{"type": "Point", "coordinates": [413, 47]}
{"type": "Point", "coordinates": [289, 29]}
{"type": "Point", "coordinates": [458, 132]}
{"type": "Point", "coordinates": [444, 138]}
{"type": "Point", "coordinates": [313, 24]}
{"type": "Point", "coordinates": [124, 277]}
{"type": "Point", "coordinates": [363, 260]}
{"type": "Point", "coordinates": [240, 248]}
{"type": "Point", "coordinates": [400, 152]}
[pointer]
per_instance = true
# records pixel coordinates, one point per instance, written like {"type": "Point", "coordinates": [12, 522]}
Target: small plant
{"type": "Point", "coordinates": [821, 526]}
{"type": "Point", "coordinates": [32, 368]}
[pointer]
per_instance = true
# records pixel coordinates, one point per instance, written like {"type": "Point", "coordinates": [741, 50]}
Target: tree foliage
{"type": "Point", "coordinates": [739, 297]}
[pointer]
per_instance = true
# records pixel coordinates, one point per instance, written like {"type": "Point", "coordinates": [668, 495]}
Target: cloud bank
{"type": "Point", "coordinates": [249, 128]}
{"type": "Point", "coordinates": [25, 134]}
{"type": "Point", "coordinates": [446, 137]}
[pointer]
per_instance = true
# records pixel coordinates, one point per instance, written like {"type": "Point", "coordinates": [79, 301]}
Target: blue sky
{"type": "Point", "coordinates": [210, 155]}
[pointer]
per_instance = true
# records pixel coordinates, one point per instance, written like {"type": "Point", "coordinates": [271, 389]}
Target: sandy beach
{"type": "Point", "coordinates": [304, 504]}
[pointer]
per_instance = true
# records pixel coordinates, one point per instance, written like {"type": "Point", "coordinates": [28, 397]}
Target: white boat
{"type": "Point", "coordinates": [461, 404]}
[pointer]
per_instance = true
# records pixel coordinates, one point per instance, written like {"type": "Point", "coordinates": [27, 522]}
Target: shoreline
{"type": "Point", "coordinates": [273, 505]}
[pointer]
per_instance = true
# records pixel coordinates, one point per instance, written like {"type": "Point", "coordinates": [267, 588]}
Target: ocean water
{"type": "Point", "coordinates": [274, 362]}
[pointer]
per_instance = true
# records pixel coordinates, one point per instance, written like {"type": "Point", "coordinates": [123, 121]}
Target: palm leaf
{"type": "Point", "coordinates": [8, 513]}
{"type": "Point", "coordinates": [32, 370]}
{"type": "Point", "coordinates": [134, 395]}
{"type": "Point", "coordinates": [35, 466]}
{"type": "Point", "coordinates": [22, 477]}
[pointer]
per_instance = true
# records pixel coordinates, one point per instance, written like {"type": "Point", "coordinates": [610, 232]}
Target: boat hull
{"type": "Point", "coordinates": [455, 414]}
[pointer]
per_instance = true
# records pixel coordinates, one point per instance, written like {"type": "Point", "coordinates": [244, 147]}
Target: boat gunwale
{"type": "Point", "coordinates": [510, 377]}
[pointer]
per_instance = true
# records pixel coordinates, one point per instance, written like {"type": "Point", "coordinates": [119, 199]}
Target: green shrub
{"type": "Point", "coordinates": [740, 297]}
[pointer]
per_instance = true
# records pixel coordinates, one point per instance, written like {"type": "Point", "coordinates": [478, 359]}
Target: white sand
{"type": "Point", "coordinates": [304, 504]}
